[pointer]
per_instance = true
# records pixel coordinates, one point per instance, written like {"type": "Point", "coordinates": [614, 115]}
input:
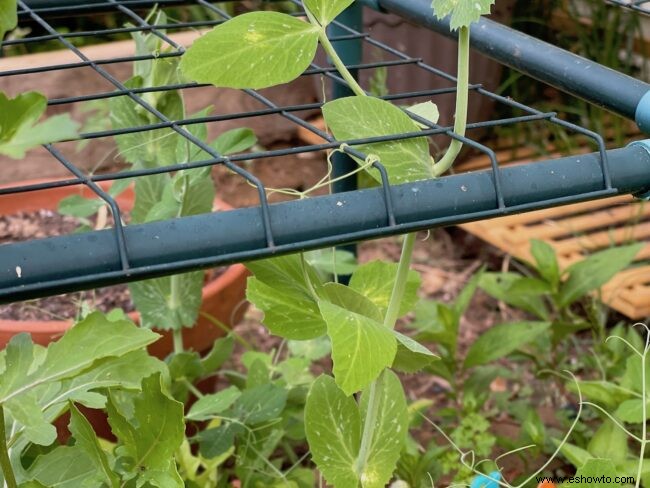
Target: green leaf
{"type": "Point", "coordinates": [260, 404]}
{"type": "Point", "coordinates": [339, 262]}
{"type": "Point", "coordinates": [463, 12]}
{"type": "Point", "coordinates": [596, 270]}
{"type": "Point", "coordinates": [313, 350]}
{"type": "Point", "coordinates": [361, 347]}
{"type": "Point", "coordinates": [609, 442]}
{"type": "Point", "coordinates": [499, 286]}
{"type": "Point", "coordinates": [280, 290]}
{"type": "Point", "coordinates": [577, 456]}
{"type": "Point", "coordinates": [89, 341]}
{"type": "Point", "coordinates": [64, 467]}
{"type": "Point", "coordinates": [631, 411]}
{"type": "Point", "coordinates": [349, 299]}
{"type": "Point", "coordinates": [355, 118]}
{"type": "Point", "coordinates": [8, 17]}
{"type": "Point", "coordinates": [208, 406]}
{"type": "Point", "coordinates": [437, 322]}
{"type": "Point", "coordinates": [389, 431]}
{"type": "Point", "coordinates": [150, 439]}
{"type": "Point", "coordinates": [546, 260]}
{"type": "Point", "coordinates": [152, 148]}
{"type": "Point", "coordinates": [19, 127]}
{"type": "Point", "coordinates": [86, 439]}
{"type": "Point", "coordinates": [215, 442]}
{"type": "Point", "coordinates": [501, 340]}
{"type": "Point", "coordinates": [163, 309]}
{"type": "Point", "coordinates": [333, 428]}
{"type": "Point", "coordinates": [78, 206]}
{"type": "Point", "coordinates": [375, 280]}
{"type": "Point", "coordinates": [234, 141]}
{"type": "Point", "coordinates": [221, 351]}
{"type": "Point", "coordinates": [326, 11]}
{"type": "Point", "coordinates": [596, 472]}
{"type": "Point", "coordinates": [608, 394]}
{"type": "Point", "coordinates": [255, 50]}
{"type": "Point", "coordinates": [411, 356]}
{"type": "Point", "coordinates": [427, 110]}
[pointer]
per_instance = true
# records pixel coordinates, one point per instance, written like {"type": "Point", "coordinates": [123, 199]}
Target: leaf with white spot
{"type": "Point", "coordinates": [254, 50]}
{"type": "Point", "coordinates": [463, 12]}
{"type": "Point", "coordinates": [333, 428]}
{"type": "Point", "coordinates": [355, 118]}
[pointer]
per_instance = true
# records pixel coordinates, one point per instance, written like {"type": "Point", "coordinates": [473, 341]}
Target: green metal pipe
{"type": "Point", "coordinates": [81, 261]}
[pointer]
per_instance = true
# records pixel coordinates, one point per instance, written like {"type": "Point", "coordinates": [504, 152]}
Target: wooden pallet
{"type": "Point", "coordinates": [574, 230]}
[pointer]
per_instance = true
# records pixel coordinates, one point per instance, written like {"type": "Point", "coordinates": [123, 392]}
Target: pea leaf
{"type": "Point", "coordinates": [351, 300]}
{"type": "Point", "coordinates": [375, 280]}
{"type": "Point", "coordinates": [210, 405]}
{"type": "Point", "coordinates": [597, 469]}
{"type": "Point", "coordinates": [427, 110]}
{"type": "Point", "coordinates": [8, 17]}
{"type": "Point", "coordinates": [260, 404]}
{"type": "Point", "coordinates": [333, 428]}
{"type": "Point", "coordinates": [256, 50]}
{"type": "Point", "coordinates": [596, 270]}
{"type": "Point", "coordinates": [333, 424]}
{"type": "Point", "coordinates": [463, 12]}
{"type": "Point", "coordinates": [19, 127]}
{"type": "Point", "coordinates": [503, 339]}
{"type": "Point", "coordinates": [390, 429]}
{"type": "Point", "coordinates": [148, 442]}
{"type": "Point", "coordinates": [234, 141]}
{"type": "Point", "coordinates": [280, 290]}
{"type": "Point", "coordinates": [354, 118]}
{"type": "Point", "coordinates": [361, 347]}
{"type": "Point", "coordinates": [169, 303]}
{"type": "Point", "coordinates": [411, 356]}
{"type": "Point", "coordinates": [78, 206]}
{"type": "Point", "coordinates": [326, 11]}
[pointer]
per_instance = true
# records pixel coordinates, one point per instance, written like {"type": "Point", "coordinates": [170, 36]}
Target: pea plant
{"type": "Point", "coordinates": [356, 421]}
{"type": "Point", "coordinates": [20, 129]}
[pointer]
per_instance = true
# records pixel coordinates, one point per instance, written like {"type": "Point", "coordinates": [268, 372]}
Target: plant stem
{"type": "Point", "coordinates": [392, 313]}
{"type": "Point", "coordinates": [644, 410]}
{"type": "Point", "coordinates": [193, 389]}
{"type": "Point", "coordinates": [5, 462]}
{"type": "Point", "coordinates": [177, 335]}
{"type": "Point", "coordinates": [334, 57]}
{"type": "Point", "coordinates": [462, 97]}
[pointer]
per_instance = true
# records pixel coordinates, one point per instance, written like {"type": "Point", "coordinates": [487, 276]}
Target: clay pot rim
{"type": "Point", "coordinates": [55, 327]}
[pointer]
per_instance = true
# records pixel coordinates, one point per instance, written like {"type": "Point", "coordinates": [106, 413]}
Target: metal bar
{"type": "Point", "coordinates": [566, 71]}
{"type": "Point", "coordinates": [63, 264]}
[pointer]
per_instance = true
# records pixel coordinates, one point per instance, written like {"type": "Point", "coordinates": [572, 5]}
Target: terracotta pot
{"type": "Point", "coordinates": [223, 298]}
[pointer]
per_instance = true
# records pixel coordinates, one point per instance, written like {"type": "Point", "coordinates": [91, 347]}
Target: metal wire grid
{"type": "Point", "coordinates": [129, 9]}
{"type": "Point", "coordinates": [642, 6]}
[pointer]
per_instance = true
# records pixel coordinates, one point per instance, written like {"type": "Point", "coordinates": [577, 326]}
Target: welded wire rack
{"type": "Point", "coordinates": [642, 6]}
{"type": "Point", "coordinates": [127, 253]}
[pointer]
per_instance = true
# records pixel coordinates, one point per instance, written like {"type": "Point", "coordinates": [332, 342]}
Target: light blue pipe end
{"type": "Point", "coordinates": [645, 144]}
{"type": "Point", "coordinates": [642, 115]}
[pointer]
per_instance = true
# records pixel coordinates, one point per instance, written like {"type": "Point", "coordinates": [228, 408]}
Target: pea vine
{"type": "Point", "coordinates": [352, 442]}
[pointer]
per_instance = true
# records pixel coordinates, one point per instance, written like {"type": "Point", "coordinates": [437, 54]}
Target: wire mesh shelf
{"type": "Point", "coordinates": [132, 252]}
{"type": "Point", "coordinates": [641, 6]}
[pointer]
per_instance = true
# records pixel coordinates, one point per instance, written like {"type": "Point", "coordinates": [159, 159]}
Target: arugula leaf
{"type": "Point", "coordinates": [64, 467]}
{"type": "Point", "coordinates": [463, 12]}
{"type": "Point", "coordinates": [256, 50]}
{"type": "Point", "coordinates": [19, 127]}
{"type": "Point", "coordinates": [210, 405]}
{"type": "Point", "coordinates": [148, 442]}
{"type": "Point", "coordinates": [234, 141]}
{"type": "Point", "coordinates": [326, 11]}
{"type": "Point", "coordinates": [355, 118]}
{"type": "Point", "coordinates": [8, 17]}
